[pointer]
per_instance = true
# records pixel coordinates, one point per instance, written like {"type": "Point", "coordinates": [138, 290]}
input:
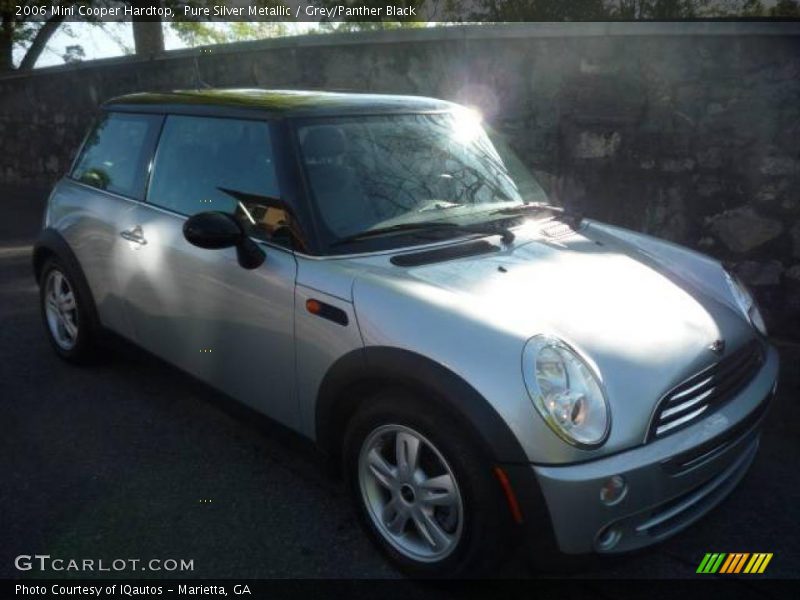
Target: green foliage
{"type": "Point", "coordinates": [30, 34]}
{"type": "Point", "coordinates": [785, 8]}
{"type": "Point", "coordinates": [598, 10]}
{"type": "Point", "coordinates": [536, 10]}
{"type": "Point", "coordinates": [199, 33]}
{"type": "Point", "coordinates": [659, 9]}
{"type": "Point", "coordinates": [345, 26]}
{"type": "Point", "coordinates": [73, 54]}
{"type": "Point", "coordinates": [356, 22]}
{"type": "Point", "coordinates": [752, 8]}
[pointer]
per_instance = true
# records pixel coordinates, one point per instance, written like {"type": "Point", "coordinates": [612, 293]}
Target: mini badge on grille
{"type": "Point", "coordinates": [718, 346]}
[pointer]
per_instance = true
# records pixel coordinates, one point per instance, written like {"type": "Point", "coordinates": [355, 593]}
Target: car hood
{"type": "Point", "coordinates": [593, 290]}
{"type": "Point", "coordinates": [642, 311]}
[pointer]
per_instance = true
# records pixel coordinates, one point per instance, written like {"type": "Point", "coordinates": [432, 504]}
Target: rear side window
{"type": "Point", "coordinates": [115, 155]}
{"type": "Point", "coordinates": [205, 164]}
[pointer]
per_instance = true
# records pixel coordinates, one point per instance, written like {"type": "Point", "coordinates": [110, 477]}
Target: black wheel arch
{"type": "Point", "coordinates": [354, 376]}
{"type": "Point", "coordinates": [50, 243]}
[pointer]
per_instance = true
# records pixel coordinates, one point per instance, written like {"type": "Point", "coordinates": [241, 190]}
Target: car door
{"type": "Point", "coordinates": [199, 309]}
{"type": "Point", "coordinates": [94, 207]}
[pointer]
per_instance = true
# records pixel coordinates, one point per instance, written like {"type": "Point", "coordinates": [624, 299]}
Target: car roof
{"type": "Point", "coordinates": [274, 102]}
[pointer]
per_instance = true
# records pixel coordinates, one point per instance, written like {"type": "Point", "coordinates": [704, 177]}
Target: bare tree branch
{"type": "Point", "coordinates": [40, 41]}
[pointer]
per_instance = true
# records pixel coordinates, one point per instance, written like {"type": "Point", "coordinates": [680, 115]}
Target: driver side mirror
{"type": "Point", "coordinates": [216, 230]}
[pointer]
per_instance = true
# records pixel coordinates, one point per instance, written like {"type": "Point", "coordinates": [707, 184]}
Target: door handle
{"type": "Point", "coordinates": [134, 235]}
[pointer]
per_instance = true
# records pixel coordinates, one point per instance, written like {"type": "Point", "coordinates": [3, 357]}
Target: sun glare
{"type": "Point", "coordinates": [467, 125]}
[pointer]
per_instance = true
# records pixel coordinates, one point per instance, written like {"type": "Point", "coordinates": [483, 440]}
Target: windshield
{"type": "Point", "coordinates": [369, 173]}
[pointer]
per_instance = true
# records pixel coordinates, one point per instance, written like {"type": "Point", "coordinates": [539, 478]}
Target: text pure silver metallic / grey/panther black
{"type": "Point", "coordinates": [384, 276]}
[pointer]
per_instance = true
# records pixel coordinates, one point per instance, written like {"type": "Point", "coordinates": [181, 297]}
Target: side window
{"type": "Point", "coordinates": [115, 155]}
{"type": "Point", "coordinates": [204, 164]}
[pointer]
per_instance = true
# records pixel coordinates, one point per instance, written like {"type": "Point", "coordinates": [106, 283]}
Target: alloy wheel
{"type": "Point", "coordinates": [61, 310]}
{"type": "Point", "coordinates": [411, 493]}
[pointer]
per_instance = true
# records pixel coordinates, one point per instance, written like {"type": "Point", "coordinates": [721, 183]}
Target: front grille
{"type": "Point", "coordinates": [708, 389]}
{"type": "Point", "coordinates": [709, 450]}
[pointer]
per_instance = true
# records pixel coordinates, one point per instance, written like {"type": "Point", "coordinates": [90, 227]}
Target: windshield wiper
{"type": "Point", "coordinates": [562, 214]}
{"type": "Point", "coordinates": [491, 228]}
{"type": "Point", "coordinates": [443, 205]}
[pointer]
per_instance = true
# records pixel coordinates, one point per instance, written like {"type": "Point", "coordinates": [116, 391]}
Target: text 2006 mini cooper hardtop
{"type": "Point", "coordinates": [379, 274]}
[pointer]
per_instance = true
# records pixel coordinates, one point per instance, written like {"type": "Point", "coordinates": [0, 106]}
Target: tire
{"type": "Point", "coordinates": [453, 487]}
{"type": "Point", "coordinates": [67, 313]}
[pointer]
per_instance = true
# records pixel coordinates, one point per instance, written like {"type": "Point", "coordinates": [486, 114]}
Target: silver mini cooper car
{"type": "Point", "coordinates": [381, 275]}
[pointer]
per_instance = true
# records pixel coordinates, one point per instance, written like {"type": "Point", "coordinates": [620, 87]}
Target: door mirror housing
{"type": "Point", "coordinates": [216, 230]}
{"type": "Point", "coordinates": [213, 230]}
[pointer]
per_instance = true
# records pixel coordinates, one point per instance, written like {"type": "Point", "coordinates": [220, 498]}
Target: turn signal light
{"type": "Point", "coordinates": [313, 306]}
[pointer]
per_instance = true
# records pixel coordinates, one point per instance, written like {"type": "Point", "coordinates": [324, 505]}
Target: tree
{"type": "Point", "coordinates": [32, 33]}
{"type": "Point", "coordinates": [148, 32]}
{"type": "Point", "coordinates": [583, 10]}
{"type": "Point", "coordinates": [356, 22]}
{"type": "Point", "coordinates": [344, 26]}
{"type": "Point", "coordinates": [73, 54]}
{"type": "Point", "coordinates": [785, 8]}
{"type": "Point", "coordinates": [686, 9]}
{"type": "Point", "coordinates": [536, 10]}
{"type": "Point", "coordinates": [198, 33]}
{"type": "Point", "coordinates": [752, 8]}
{"type": "Point", "coordinates": [24, 32]}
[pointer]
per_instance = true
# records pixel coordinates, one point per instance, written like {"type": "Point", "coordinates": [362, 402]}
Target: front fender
{"type": "Point", "coordinates": [350, 379]}
{"type": "Point", "coordinates": [369, 368]}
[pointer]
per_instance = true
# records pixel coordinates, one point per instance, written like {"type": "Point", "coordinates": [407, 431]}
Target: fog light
{"type": "Point", "coordinates": [608, 538]}
{"type": "Point", "coordinates": [613, 490]}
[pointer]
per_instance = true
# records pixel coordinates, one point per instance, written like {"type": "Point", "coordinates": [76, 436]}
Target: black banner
{"type": "Point", "coordinates": [260, 589]}
{"type": "Point", "coordinates": [393, 11]}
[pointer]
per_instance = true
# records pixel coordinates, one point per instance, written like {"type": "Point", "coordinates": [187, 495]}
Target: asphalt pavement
{"type": "Point", "coordinates": [132, 459]}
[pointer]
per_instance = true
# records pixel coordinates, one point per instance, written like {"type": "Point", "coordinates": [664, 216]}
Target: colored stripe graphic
{"type": "Point", "coordinates": [728, 563]}
{"type": "Point", "coordinates": [741, 562]}
{"type": "Point", "coordinates": [702, 567]}
{"type": "Point", "coordinates": [758, 563]}
{"type": "Point", "coordinates": [753, 563]}
{"type": "Point", "coordinates": [735, 562]}
{"type": "Point", "coordinates": [765, 563]}
{"type": "Point", "coordinates": [711, 562]}
{"type": "Point", "coordinates": [718, 562]}
{"type": "Point", "coordinates": [734, 559]}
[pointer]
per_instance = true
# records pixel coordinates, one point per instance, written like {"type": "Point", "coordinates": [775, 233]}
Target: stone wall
{"type": "Point", "coordinates": [686, 131]}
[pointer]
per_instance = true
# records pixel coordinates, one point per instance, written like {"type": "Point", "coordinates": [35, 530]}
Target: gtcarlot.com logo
{"type": "Point", "coordinates": [45, 562]}
{"type": "Point", "coordinates": [735, 562]}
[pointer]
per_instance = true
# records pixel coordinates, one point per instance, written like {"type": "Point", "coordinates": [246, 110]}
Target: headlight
{"type": "Point", "coordinates": [566, 392]}
{"type": "Point", "coordinates": [745, 302]}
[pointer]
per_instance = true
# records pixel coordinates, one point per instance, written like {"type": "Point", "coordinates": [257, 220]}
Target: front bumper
{"type": "Point", "coordinates": [671, 482]}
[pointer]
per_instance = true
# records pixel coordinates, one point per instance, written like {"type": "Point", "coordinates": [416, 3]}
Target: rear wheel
{"type": "Point", "coordinates": [424, 491]}
{"type": "Point", "coordinates": [65, 312]}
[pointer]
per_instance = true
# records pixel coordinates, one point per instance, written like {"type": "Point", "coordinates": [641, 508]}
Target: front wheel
{"type": "Point", "coordinates": [424, 491]}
